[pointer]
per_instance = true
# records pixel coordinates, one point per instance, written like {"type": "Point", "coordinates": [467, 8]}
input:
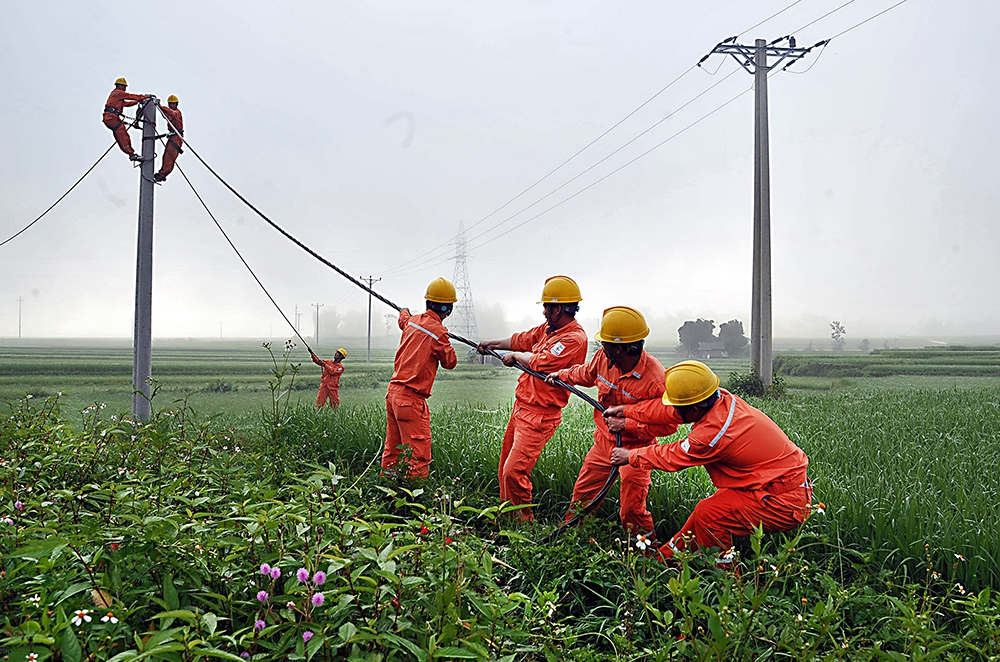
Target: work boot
{"type": "Point", "coordinates": [134, 157]}
{"type": "Point", "coordinates": [159, 178]}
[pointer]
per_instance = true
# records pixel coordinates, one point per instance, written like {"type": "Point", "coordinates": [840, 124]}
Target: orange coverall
{"type": "Point", "coordinates": [537, 406]}
{"type": "Point", "coordinates": [422, 347]}
{"type": "Point", "coordinates": [174, 143]}
{"type": "Point", "coordinates": [644, 382]}
{"type": "Point", "coordinates": [113, 109]}
{"type": "Point", "coordinates": [329, 383]}
{"type": "Point", "coordinates": [760, 474]}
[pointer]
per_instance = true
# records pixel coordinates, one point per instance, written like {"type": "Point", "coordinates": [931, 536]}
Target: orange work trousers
{"type": "Point", "coordinates": [528, 430]}
{"type": "Point", "coordinates": [170, 153]}
{"type": "Point", "coordinates": [407, 425]}
{"type": "Point", "coordinates": [732, 512]}
{"type": "Point", "coordinates": [120, 129]}
{"type": "Point", "coordinates": [327, 394]}
{"type": "Point", "coordinates": [634, 487]}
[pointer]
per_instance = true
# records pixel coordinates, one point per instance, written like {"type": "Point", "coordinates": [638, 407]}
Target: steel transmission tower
{"type": "Point", "coordinates": [465, 311]}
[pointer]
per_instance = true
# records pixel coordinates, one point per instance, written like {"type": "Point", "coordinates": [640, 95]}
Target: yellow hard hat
{"type": "Point", "coordinates": [441, 291]}
{"type": "Point", "coordinates": [173, 99]}
{"type": "Point", "coordinates": [623, 325]}
{"type": "Point", "coordinates": [561, 289]}
{"type": "Point", "coordinates": [688, 383]}
{"type": "Point", "coordinates": [121, 81]}
{"type": "Point", "coordinates": [343, 352]}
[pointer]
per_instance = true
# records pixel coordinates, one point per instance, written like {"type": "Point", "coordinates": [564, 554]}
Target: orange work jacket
{"type": "Point", "coordinates": [175, 117]}
{"type": "Point", "coordinates": [422, 347]}
{"type": "Point", "coordinates": [332, 370]}
{"type": "Point", "coordinates": [550, 352]}
{"type": "Point", "coordinates": [739, 446]}
{"type": "Point", "coordinates": [644, 382]}
{"type": "Point", "coordinates": [118, 99]}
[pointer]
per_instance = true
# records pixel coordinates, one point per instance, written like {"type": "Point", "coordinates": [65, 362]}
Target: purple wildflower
{"type": "Point", "coordinates": [302, 575]}
{"type": "Point", "coordinates": [262, 596]}
{"type": "Point", "coordinates": [8, 521]}
{"type": "Point", "coordinates": [265, 569]}
{"type": "Point", "coordinates": [318, 598]}
{"type": "Point", "coordinates": [306, 636]}
{"type": "Point", "coordinates": [259, 625]}
{"type": "Point", "coordinates": [245, 655]}
{"type": "Point", "coordinates": [18, 505]}
{"type": "Point", "coordinates": [275, 572]}
{"type": "Point", "coordinates": [319, 577]}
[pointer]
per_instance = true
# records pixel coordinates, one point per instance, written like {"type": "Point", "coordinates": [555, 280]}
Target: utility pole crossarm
{"type": "Point", "coordinates": [745, 55]}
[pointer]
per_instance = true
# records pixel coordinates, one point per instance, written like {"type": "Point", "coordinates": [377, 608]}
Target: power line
{"type": "Point", "coordinates": [599, 162]}
{"type": "Point", "coordinates": [240, 255]}
{"type": "Point", "coordinates": [752, 27]}
{"type": "Point", "coordinates": [554, 170]}
{"type": "Point", "coordinates": [52, 206]}
{"type": "Point", "coordinates": [839, 34]}
{"type": "Point", "coordinates": [832, 11]}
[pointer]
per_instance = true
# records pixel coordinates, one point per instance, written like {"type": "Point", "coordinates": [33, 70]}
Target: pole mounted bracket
{"type": "Point", "coordinates": [745, 55]}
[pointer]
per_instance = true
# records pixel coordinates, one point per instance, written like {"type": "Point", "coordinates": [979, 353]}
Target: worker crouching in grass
{"type": "Point", "coordinates": [329, 382]}
{"type": "Point", "coordinates": [624, 373]}
{"type": "Point", "coordinates": [423, 346]}
{"type": "Point", "coordinates": [558, 343]}
{"type": "Point", "coordinates": [760, 474]}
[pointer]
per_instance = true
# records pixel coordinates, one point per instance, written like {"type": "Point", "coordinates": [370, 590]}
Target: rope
{"type": "Point", "coordinates": [238, 254]}
{"type": "Point", "coordinates": [52, 206]}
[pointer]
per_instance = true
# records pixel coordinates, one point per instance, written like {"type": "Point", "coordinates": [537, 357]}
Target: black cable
{"type": "Point", "coordinates": [865, 21]}
{"type": "Point", "coordinates": [52, 206]}
{"type": "Point", "coordinates": [240, 255]}
{"type": "Point", "coordinates": [832, 11]}
{"type": "Point", "coordinates": [768, 19]}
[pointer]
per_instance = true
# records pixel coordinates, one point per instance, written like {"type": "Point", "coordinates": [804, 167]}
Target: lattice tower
{"type": "Point", "coordinates": [463, 319]}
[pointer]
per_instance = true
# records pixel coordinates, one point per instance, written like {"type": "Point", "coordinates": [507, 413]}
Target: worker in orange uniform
{"type": "Point", "coordinates": [114, 110]}
{"type": "Point", "coordinates": [175, 129]}
{"type": "Point", "coordinates": [423, 346]}
{"type": "Point", "coordinates": [558, 343]}
{"type": "Point", "coordinates": [329, 383]}
{"type": "Point", "coordinates": [760, 474]}
{"type": "Point", "coordinates": [624, 373]}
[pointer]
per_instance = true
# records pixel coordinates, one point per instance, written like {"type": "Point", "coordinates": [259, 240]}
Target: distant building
{"type": "Point", "coordinates": [712, 350]}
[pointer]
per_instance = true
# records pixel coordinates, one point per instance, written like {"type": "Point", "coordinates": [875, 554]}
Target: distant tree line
{"type": "Point", "coordinates": [697, 334]}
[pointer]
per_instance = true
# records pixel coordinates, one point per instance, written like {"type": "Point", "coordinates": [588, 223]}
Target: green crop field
{"type": "Point", "coordinates": [172, 520]}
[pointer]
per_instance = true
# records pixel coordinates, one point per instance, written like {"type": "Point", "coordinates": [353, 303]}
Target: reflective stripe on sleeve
{"type": "Point", "coordinates": [431, 333]}
{"type": "Point", "coordinates": [729, 419]}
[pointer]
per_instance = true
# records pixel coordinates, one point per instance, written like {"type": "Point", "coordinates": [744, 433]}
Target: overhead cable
{"type": "Point", "coordinates": [52, 206]}
{"type": "Point", "coordinates": [752, 27]}
{"type": "Point", "coordinates": [556, 169]}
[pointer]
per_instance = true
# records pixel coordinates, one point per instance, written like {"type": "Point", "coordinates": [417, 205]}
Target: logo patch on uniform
{"type": "Point", "coordinates": [686, 446]}
{"type": "Point", "coordinates": [558, 348]}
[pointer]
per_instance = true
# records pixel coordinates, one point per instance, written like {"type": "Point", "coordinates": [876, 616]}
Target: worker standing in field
{"type": "Point", "coordinates": [760, 475]}
{"type": "Point", "coordinates": [329, 382]}
{"type": "Point", "coordinates": [423, 346]}
{"type": "Point", "coordinates": [558, 343]}
{"type": "Point", "coordinates": [624, 373]}
{"type": "Point", "coordinates": [175, 129]}
{"type": "Point", "coordinates": [114, 110]}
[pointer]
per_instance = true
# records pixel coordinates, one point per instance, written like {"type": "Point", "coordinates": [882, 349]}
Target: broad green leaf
{"type": "Point", "coordinates": [70, 646]}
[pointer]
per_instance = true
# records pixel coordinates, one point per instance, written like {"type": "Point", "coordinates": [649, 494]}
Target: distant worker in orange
{"type": "Point", "coordinates": [329, 383]}
{"type": "Point", "coordinates": [760, 474]}
{"type": "Point", "coordinates": [423, 346]}
{"type": "Point", "coordinates": [114, 110]}
{"type": "Point", "coordinates": [175, 129]}
{"type": "Point", "coordinates": [624, 373]}
{"type": "Point", "coordinates": [558, 343]}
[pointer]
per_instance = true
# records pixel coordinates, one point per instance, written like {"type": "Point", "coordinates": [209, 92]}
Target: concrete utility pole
{"type": "Point", "coordinates": [142, 340]}
{"type": "Point", "coordinates": [371, 281]}
{"type": "Point", "coordinates": [317, 306]}
{"type": "Point", "coordinates": [19, 301]}
{"type": "Point", "coordinates": [754, 60]}
{"type": "Point", "coordinates": [298, 317]}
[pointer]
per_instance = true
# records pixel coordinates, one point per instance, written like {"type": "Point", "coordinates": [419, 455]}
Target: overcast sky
{"type": "Point", "coordinates": [371, 130]}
